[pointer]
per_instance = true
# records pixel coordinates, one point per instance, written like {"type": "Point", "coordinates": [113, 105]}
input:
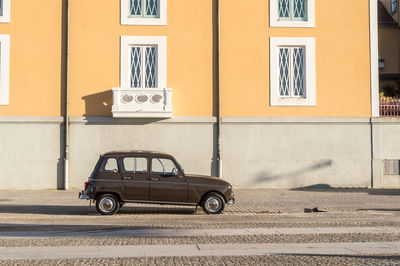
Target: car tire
{"type": "Point", "coordinates": [213, 203]}
{"type": "Point", "coordinates": [107, 204]}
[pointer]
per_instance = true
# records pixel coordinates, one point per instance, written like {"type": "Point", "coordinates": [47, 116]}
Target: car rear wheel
{"type": "Point", "coordinates": [213, 203]}
{"type": "Point", "coordinates": [107, 204]}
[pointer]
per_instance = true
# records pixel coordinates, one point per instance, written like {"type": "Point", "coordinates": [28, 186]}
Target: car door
{"type": "Point", "coordinates": [135, 177]}
{"type": "Point", "coordinates": [167, 184]}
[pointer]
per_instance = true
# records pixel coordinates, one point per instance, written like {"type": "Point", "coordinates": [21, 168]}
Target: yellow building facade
{"type": "Point", "coordinates": [290, 88]}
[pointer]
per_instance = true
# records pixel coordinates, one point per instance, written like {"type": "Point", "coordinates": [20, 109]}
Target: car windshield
{"type": "Point", "coordinates": [180, 166]}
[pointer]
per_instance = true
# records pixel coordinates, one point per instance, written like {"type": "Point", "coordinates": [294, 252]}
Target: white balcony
{"type": "Point", "coordinates": [144, 103]}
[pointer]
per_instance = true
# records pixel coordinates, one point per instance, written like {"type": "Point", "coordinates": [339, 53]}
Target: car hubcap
{"type": "Point", "coordinates": [107, 204]}
{"type": "Point", "coordinates": [213, 204]}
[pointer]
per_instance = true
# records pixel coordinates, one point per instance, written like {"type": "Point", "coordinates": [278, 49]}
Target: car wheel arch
{"type": "Point", "coordinates": [117, 195]}
{"type": "Point", "coordinates": [209, 192]}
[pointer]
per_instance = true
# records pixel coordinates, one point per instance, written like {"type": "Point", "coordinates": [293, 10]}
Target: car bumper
{"type": "Point", "coordinates": [232, 200]}
{"type": "Point", "coordinates": [83, 196]}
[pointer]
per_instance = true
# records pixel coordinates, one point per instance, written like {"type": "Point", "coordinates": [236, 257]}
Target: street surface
{"type": "Point", "coordinates": [264, 227]}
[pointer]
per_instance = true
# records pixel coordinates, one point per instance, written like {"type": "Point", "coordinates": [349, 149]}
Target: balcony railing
{"type": "Point", "coordinates": [389, 106]}
{"type": "Point", "coordinates": [145, 103]}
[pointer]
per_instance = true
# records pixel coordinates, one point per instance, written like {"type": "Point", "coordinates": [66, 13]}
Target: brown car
{"type": "Point", "coordinates": [151, 177]}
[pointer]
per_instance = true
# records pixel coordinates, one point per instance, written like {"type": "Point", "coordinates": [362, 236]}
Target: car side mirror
{"type": "Point", "coordinates": [115, 171]}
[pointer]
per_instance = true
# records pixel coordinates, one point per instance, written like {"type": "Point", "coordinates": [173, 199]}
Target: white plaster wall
{"type": "Point", "coordinates": [257, 152]}
{"type": "Point", "coordinates": [386, 134]}
{"type": "Point", "coordinates": [189, 140]}
{"type": "Point", "coordinates": [30, 152]}
{"type": "Point", "coordinates": [297, 152]}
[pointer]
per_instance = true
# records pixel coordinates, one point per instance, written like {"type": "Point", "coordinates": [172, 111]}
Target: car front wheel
{"type": "Point", "coordinates": [213, 203]}
{"type": "Point", "coordinates": [107, 204]}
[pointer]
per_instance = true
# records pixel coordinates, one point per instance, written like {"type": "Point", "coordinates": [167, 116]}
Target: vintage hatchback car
{"type": "Point", "coordinates": [151, 177]}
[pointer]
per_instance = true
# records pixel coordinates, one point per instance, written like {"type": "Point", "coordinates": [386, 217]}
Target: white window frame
{"type": "Point", "coordinates": [129, 41]}
{"type": "Point", "coordinates": [4, 68]}
{"type": "Point", "coordinates": [276, 22]}
{"type": "Point", "coordinates": [5, 18]}
{"type": "Point", "coordinates": [310, 78]}
{"type": "Point", "coordinates": [126, 19]}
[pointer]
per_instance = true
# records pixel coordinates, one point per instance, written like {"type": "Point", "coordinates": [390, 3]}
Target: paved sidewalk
{"type": "Point", "coordinates": [264, 227]}
{"type": "Point", "coordinates": [248, 201]}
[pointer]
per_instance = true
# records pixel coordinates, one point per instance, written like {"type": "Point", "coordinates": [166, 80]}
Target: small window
{"type": "Point", "coordinates": [381, 62]}
{"type": "Point", "coordinates": [110, 165]}
{"type": "Point", "coordinates": [143, 12]}
{"type": "Point", "coordinates": [292, 13]}
{"type": "Point", "coordinates": [292, 10]}
{"type": "Point", "coordinates": [163, 167]}
{"type": "Point", "coordinates": [143, 62]}
{"type": "Point", "coordinates": [144, 8]}
{"type": "Point", "coordinates": [143, 66]}
{"type": "Point", "coordinates": [292, 69]}
{"type": "Point", "coordinates": [5, 11]}
{"type": "Point", "coordinates": [393, 6]}
{"type": "Point", "coordinates": [135, 165]}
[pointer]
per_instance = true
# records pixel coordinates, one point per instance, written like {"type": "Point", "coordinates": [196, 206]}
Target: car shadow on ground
{"type": "Point", "coordinates": [87, 210]}
{"type": "Point", "coordinates": [361, 256]}
{"type": "Point", "coordinates": [379, 209]}
{"type": "Point", "coordinates": [72, 230]}
{"type": "Point", "coordinates": [328, 188]}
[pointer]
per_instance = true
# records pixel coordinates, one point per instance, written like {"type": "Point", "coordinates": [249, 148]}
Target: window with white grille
{"type": "Point", "coordinates": [143, 62]}
{"type": "Point", "coordinates": [143, 67]}
{"type": "Point", "coordinates": [143, 12]}
{"type": "Point", "coordinates": [292, 13]}
{"type": "Point", "coordinates": [144, 8]}
{"type": "Point", "coordinates": [292, 9]}
{"type": "Point", "coordinates": [5, 11]}
{"type": "Point", "coordinates": [292, 71]}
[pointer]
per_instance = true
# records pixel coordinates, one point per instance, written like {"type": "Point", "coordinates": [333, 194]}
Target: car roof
{"type": "Point", "coordinates": [135, 152]}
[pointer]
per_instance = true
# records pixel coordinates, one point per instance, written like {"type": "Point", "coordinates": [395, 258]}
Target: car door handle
{"type": "Point", "coordinates": [127, 178]}
{"type": "Point", "coordinates": [154, 179]}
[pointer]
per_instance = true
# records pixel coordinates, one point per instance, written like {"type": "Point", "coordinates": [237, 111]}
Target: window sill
{"type": "Point", "coordinates": [293, 102]}
{"type": "Point", "coordinates": [144, 21]}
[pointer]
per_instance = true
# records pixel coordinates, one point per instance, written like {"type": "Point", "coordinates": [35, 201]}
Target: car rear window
{"type": "Point", "coordinates": [109, 165]}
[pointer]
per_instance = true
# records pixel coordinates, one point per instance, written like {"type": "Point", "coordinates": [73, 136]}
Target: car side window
{"type": "Point", "coordinates": [162, 166]}
{"type": "Point", "coordinates": [134, 165]}
{"type": "Point", "coordinates": [109, 165]}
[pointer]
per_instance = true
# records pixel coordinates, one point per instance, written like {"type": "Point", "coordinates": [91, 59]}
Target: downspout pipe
{"type": "Point", "coordinates": [66, 118]}
{"type": "Point", "coordinates": [219, 118]}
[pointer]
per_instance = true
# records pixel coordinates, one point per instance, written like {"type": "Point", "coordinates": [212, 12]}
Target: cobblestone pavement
{"type": "Point", "coordinates": [232, 260]}
{"type": "Point", "coordinates": [60, 213]}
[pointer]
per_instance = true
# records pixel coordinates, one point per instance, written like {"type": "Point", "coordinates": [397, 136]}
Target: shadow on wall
{"type": "Point", "coordinates": [99, 104]}
{"type": "Point", "coordinates": [266, 177]}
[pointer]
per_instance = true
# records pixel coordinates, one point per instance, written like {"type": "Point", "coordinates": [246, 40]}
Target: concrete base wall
{"type": "Point", "coordinates": [297, 152]}
{"type": "Point", "coordinates": [386, 146]}
{"type": "Point", "coordinates": [189, 140]}
{"type": "Point", "coordinates": [256, 152]}
{"type": "Point", "coordinates": [31, 152]}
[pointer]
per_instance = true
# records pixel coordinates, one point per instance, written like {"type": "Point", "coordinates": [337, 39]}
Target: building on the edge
{"type": "Point", "coordinates": [389, 47]}
{"type": "Point", "coordinates": [298, 83]}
